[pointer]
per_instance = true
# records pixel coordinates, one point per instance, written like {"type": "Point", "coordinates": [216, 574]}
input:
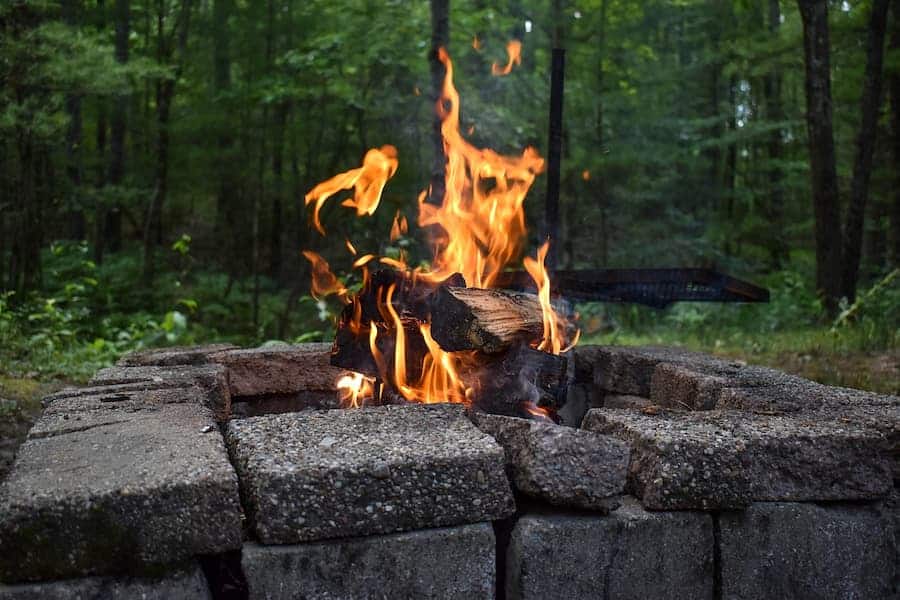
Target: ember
{"type": "Point", "coordinates": [484, 342]}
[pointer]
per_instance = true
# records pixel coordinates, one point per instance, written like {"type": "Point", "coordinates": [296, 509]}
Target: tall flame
{"type": "Point", "coordinates": [481, 220]}
{"type": "Point", "coordinates": [324, 282]}
{"type": "Point", "coordinates": [367, 181]}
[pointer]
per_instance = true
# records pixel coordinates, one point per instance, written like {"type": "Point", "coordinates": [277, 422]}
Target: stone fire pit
{"type": "Point", "coordinates": [218, 472]}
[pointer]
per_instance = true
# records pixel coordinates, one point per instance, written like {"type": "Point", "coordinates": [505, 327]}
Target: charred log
{"type": "Point", "coordinates": [520, 381]}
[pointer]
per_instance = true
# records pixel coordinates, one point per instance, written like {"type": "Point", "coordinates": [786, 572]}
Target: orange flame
{"type": "Point", "coordinates": [476, 43]}
{"type": "Point", "coordinates": [482, 215]}
{"type": "Point", "coordinates": [586, 175]}
{"type": "Point", "coordinates": [553, 340]}
{"type": "Point", "coordinates": [354, 389]}
{"type": "Point", "coordinates": [400, 226]}
{"type": "Point", "coordinates": [324, 282]}
{"type": "Point", "coordinates": [367, 182]}
{"type": "Point", "coordinates": [514, 52]}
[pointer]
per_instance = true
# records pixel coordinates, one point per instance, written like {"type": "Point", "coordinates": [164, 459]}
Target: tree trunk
{"type": "Point", "coordinates": [165, 91]}
{"type": "Point", "coordinates": [778, 251]}
{"type": "Point", "coordinates": [865, 148]}
{"type": "Point", "coordinates": [117, 130]}
{"type": "Point", "coordinates": [826, 207]}
{"type": "Point", "coordinates": [74, 211]}
{"type": "Point", "coordinates": [277, 228]}
{"type": "Point", "coordinates": [894, 84]}
{"type": "Point", "coordinates": [440, 38]}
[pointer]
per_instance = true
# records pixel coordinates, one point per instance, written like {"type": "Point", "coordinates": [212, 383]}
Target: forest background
{"type": "Point", "coordinates": [154, 157]}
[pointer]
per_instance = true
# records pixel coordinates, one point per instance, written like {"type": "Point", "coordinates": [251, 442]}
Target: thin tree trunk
{"type": "Point", "coordinates": [224, 221]}
{"type": "Point", "coordinates": [74, 211]}
{"type": "Point", "coordinates": [823, 171]}
{"type": "Point", "coordinates": [865, 148]}
{"type": "Point", "coordinates": [894, 85]}
{"type": "Point", "coordinates": [778, 251]}
{"type": "Point", "coordinates": [117, 130]}
{"type": "Point", "coordinates": [165, 91]}
{"type": "Point", "coordinates": [440, 38]}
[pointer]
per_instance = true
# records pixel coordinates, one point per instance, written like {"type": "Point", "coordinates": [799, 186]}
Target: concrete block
{"type": "Point", "coordinates": [630, 553]}
{"type": "Point", "coordinates": [562, 465]}
{"type": "Point", "coordinates": [807, 552]}
{"type": "Point", "coordinates": [173, 356]}
{"type": "Point", "coordinates": [188, 584]}
{"type": "Point", "coordinates": [453, 562]}
{"type": "Point", "coordinates": [279, 370]}
{"type": "Point", "coordinates": [315, 475]}
{"type": "Point", "coordinates": [212, 378]}
{"type": "Point", "coordinates": [727, 459]}
{"type": "Point", "coordinates": [154, 487]}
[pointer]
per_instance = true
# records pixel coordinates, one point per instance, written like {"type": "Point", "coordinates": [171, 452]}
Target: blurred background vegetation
{"type": "Point", "coordinates": [155, 154]}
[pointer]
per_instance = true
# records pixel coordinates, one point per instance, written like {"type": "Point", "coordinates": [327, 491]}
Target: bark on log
{"type": "Point", "coordinates": [489, 321]}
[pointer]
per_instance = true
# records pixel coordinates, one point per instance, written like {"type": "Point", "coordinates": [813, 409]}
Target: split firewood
{"type": "Point", "coordinates": [489, 321]}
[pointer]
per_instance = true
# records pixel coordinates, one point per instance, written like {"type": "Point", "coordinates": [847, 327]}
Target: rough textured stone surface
{"type": "Point", "coordinates": [806, 551]}
{"type": "Point", "coordinates": [212, 378]}
{"type": "Point", "coordinates": [173, 356]}
{"type": "Point", "coordinates": [188, 584]}
{"type": "Point", "coordinates": [564, 466]}
{"type": "Point", "coordinates": [101, 407]}
{"type": "Point", "coordinates": [726, 459]}
{"type": "Point", "coordinates": [455, 562]}
{"type": "Point", "coordinates": [629, 553]}
{"type": "Point", "coordinates": [153, 487]}
{"type": "Point", "coordinates": [314, 475]}
{"type": "Point", "coordinates": [280, 369]}
{"type": "Point", "coordinates": [625, 401]}
{"type": "Point", "coordinates": [629, 369]}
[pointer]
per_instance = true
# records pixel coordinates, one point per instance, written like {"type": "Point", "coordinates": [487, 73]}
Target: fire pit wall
{"type": "Point", "coordinates": [225, 473]}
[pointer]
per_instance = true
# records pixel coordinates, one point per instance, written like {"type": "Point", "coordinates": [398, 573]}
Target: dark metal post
{"type": "Point", "coordinates": [554, 158]}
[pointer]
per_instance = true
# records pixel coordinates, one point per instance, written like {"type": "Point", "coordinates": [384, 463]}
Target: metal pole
{"type": "Point", "coordinates": [554, 158]}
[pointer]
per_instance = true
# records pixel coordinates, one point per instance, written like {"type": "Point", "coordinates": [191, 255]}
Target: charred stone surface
{"type": "Point", "coordinates": [316, 475]}
{"type": "Point", "coordinates": [800, 551]}
{"type": "Point", "coordinates": [521, 378]}
{"type": "Point", "coordinates": [630, 553]}
{"type": "Point", "coordinates": [452, 562]}
{"type": "Point", "coordinates": [726, 459]}
{"type": "Point", "coordinates": [151, 488]}
{"type": "Point", "coordinates": [561, 465]}
{"type": "Point", "coordinates": [186, 584]}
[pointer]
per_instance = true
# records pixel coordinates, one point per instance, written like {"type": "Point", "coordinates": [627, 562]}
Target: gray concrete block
{"type": "Point", "coordinates": [629, 553]}
{"type": "Point", "coordinates": [726, 459]}
{"type": "Point", "coordinates": [629, 369]}
{"type": "Point", "coordinates": [100, 406]}
{"type": "Point", "coordinates": [807, 552]}
{"type": "Point", "coordinates": [625, 401]}
{"type": "Point", "coordinates": [315, 475]}
{"type": "Point", "coordinates": [453, 562]}
{"type": "Point", "coordinates": [188, 584]}
{"type": "Point", "coordinates": [562, 465]}
{"type": "Point", "coordinates": [281, 369]}
{"type": "Point", "coordinates": [212, 378]}
{"type": "Point", "coordinates": [152, 488]}
{"type": "Point", "coordinates": [173, 355]}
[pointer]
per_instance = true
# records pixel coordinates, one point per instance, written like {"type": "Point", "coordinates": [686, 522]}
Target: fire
{"type": "Point", "coordinates": [481, 222]}
{"type": "Point", "coordinates": [367, 182]}
{"type": "Point", "coordinates": [354, 389]}
{"type": "Point", "coordinates": [514, 52]}
{"type": "Point", "coordinates": [476, 43]}
{"type": "Point", "coordinates": [478, 230]}
{"type": "Point", "coordinates": [324, 282]}
{"type": "Point", "coordinates": [553, 338]}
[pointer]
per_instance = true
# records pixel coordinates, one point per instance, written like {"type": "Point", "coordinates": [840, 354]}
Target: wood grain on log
{"type": "Point", "coordinates": [489, 321]}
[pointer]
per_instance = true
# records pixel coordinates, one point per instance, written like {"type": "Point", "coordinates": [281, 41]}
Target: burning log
{"type": "Point", "coordinates": [489, 321]}
{"type": "Point", "coordinates": [521, 382]}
